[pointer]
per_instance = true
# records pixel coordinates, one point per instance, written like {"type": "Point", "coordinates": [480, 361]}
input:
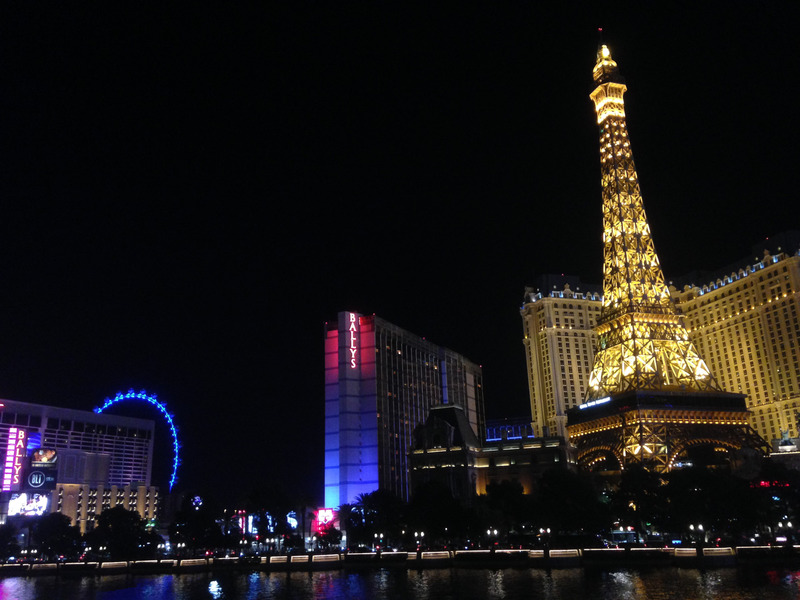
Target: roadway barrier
{"type": "Point", "coordinates": [484, 558]}
{"type": "Point", "coordinates": [691, 557]}
{"type": "Point", "coordinates": [78, 567]}
{"type": "Point", "coordinates": [360, 559]}
{"type": "Point", "coordinates": [150, 566]}
{"type": "Point", "coordinates": [626, 556]}
{"type": "Point", "coordinates": [564, 558]}
{"type": "Point", "coordinates": [44, 569]}
{"type": "Point", "coordinates": [393, 558]}
{"type": "Point", "coordinates": [718, 557]}
{"type": "Point", "coordinates": [192, 564]}
{"type": "Point", "coordinates": [777, 555]}
{"type": "Point", "coordinates": [114, 566]}
{"type": "Point", "coordinates": [225, 562]}
{"type": "Point", "coordinates": [14, 569]}
{"type": "Point", "coordinates": [435, 559]}
{"type": "Point", "coordinates": [326, 561]}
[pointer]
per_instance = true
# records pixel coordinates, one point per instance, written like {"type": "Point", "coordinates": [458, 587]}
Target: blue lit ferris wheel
{"type": "Point", "coordinates": [152, 399]}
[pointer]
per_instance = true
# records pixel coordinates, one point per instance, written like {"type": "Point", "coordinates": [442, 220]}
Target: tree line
{"type": "Point", "coordinates": [566, 509]}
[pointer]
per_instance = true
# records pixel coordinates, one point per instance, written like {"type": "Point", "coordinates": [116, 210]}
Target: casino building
{"type": "Point", "coordinates": [74, 462]}
{"type": "Point", "coordinates": [446, 451]}
{"type": "Point", "coordinates": [381, 382]}
{"type": "Point", "coordinates": [558, 317]}
{"type": "Point", "coordinates": [744, 320]}
{"type": "Point", "coordinates": [652, 399]}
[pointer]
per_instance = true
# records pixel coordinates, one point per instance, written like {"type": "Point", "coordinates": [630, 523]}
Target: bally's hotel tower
{"type": "Point", "coordinates": [380, 383]}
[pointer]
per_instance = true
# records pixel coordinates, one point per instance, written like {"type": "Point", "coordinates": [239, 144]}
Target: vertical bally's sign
{"type": "Point", "coordinates": [353, 340]}
{"type": "Point", "coordinates": [16, 452]}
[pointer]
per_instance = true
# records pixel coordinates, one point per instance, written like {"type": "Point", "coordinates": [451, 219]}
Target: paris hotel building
{"type": "Point", "coordinates": [557, 320]}
{"type": "Point", "coordinates": [743, 322]}
{"type": "Point", "coordinates": [381, 381]}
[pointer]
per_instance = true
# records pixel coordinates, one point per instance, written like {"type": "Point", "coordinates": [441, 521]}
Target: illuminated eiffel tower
{"type": "Point", "coordinates": [651, 398]}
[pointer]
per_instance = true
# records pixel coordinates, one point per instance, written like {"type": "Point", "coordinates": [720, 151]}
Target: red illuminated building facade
{"type": "Point", "coordinates": [381, 381]}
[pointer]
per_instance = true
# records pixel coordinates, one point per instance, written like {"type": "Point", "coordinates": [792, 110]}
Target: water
{"type": "Point", "coordinates": [433, 584]}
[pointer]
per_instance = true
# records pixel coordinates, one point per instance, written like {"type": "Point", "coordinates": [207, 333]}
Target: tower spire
{"type": "Point", "coordinates": [651, 398]}
{"type": "Point", "coordinates": [643, 343]}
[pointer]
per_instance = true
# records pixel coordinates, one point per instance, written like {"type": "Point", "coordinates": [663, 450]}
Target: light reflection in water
{"type": "Point", "coordinates": [495, 583]}
{"type": "Point", "coordinates": [662, 583]}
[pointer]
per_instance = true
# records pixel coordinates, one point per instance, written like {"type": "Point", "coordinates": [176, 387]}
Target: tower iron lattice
{"type": "Point", "coordinates": [651, 396]}
{"type": "Point", "coordinates": [643, 344]}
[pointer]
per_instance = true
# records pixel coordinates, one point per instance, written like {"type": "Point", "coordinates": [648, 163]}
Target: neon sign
{"type": "Point", "coordinates": [595, 402]}
{"type": "Point", "coordinates": [16, 451]}
{"type": "Point", "coordinates": [353, 347]}
{"type": "Point", "coordinates": [324, 518]}
{"type": "Point", "coordinates": [152, 399]}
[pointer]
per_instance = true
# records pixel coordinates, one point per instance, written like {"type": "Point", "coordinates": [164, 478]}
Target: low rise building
{"type": "Point", "coordinates": [446, 451]}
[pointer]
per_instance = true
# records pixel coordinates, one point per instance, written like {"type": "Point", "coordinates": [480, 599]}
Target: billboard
{"type": "Point", "coordinates": [27, 505]}
{"type": "Point", "coordinates": [41, 473]}
{"type": "Point", "coordinates": [39, 479]}
{"type": "Point", "coordinates": [44, 457]}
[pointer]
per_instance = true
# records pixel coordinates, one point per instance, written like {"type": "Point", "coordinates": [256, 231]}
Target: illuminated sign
{"type": "Point", "coordinates": [324, 518]}
{"type": "Point", "coordinates": [769, 484]}
{"type": "Point", "coordinates": [43, 457]}
{"type": "Point", "coordinates": [42, 473]}
{"type": "Point", "coordinates": [28, 505]}
{"type": "Point", "coordinates": [16, 452]}
{"type": "Point", "coordinates": [353, 346]}
{"type": "Point", "coordinates": [595, 402]}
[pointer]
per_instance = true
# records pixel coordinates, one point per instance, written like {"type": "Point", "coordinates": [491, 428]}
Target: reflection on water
{"type": "Point", "coordinates": [433, 584]}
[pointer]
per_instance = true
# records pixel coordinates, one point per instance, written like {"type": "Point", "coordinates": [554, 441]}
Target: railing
{"type": "Point", "coordinates": [552, 558]}
{"type": "Point", "coordinates": [325, 558]}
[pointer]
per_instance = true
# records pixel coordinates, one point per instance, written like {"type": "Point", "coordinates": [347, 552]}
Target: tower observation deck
{"type": "Point", "coordinates": [651, 397]}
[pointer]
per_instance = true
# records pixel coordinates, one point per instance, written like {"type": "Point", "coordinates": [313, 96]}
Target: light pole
{"type": "Point", "coordinates": [698, 533]}
{"type": "Point", "coordinates": [491, 532]}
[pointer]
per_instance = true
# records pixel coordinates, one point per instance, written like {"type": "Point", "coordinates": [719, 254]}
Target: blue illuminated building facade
{"type": "Point", "coordinates": [508, 429]}
{"type": "Point", "coordinates": [381, 381]}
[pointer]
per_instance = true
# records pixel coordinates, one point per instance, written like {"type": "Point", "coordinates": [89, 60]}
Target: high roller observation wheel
{"type": "Point", "coordinates": [151, 399]}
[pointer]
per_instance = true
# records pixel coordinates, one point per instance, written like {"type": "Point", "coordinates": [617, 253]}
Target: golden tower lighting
{"type": "Point", "coordinates": [651, 398]}
{"type": "Point", "coordinates": [642, 343]}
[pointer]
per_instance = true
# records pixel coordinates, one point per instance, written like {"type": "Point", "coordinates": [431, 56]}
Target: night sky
{"type": "Point", "coordinates": [187, 195]}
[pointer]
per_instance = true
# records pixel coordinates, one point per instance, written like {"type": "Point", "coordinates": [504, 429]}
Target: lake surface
{"type": "Point", "coordinates": [662, 583]}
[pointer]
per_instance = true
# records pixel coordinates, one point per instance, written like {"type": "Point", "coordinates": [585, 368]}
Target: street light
{"type": "Point", "coordinates": [418, 535]}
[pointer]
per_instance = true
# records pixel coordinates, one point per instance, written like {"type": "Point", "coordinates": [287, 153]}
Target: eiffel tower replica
{"type": "Point", "coordinates": [652, 399]}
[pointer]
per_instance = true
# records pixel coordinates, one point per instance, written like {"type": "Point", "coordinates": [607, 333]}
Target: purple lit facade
{"type": "Point", "coordinates": [380, 383]}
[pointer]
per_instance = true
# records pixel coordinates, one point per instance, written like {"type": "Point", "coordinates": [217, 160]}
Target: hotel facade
{"type": "Point", "coordinates": [743, 320]}
{"type": "Point", "coordinates": [381, 381]}
{"type": "Point", "coordinates": [558, 316]}
{"type": "Point", "coordinates": [74, 462]}
{"type": "Point", "coordinates": [745, 324]}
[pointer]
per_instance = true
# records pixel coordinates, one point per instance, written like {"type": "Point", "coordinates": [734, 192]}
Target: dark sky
{"type": "Point", "coordinates": [187, 195]}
